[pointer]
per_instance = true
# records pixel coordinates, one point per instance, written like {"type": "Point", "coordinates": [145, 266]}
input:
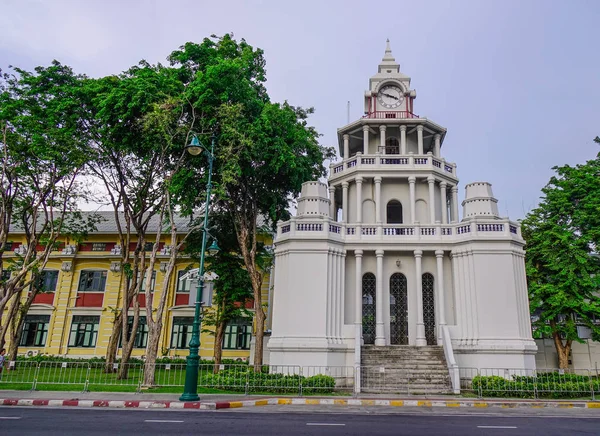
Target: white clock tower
{"type": "Point", "coordinates": [378, 265]}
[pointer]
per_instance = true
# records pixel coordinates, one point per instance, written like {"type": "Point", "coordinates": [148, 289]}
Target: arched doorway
{"type": "Point", "coordinates": [394, 212]}
{"type": "Point", "coordinates": [392, 146]}
{"type": "Point", "coordinates": [368, 308]}
{"type": "Point", "coordinates": [429, 309]}
{"type": "Point", "coordinates": [398, 310]}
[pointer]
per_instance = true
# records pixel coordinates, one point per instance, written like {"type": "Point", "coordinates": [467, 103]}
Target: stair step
{"type": "Point", "coordinates": [406, 369]}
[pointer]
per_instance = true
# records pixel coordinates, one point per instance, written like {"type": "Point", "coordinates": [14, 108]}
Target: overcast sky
{"type": "Point", "coordinates": [515, 82]}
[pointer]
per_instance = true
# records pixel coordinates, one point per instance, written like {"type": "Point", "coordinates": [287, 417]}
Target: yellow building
{"type": "Point", "coordinates": [74, 318]}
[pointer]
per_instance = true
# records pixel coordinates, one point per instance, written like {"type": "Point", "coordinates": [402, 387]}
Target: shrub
{"type": "Point", "coordinates": [543, 385]}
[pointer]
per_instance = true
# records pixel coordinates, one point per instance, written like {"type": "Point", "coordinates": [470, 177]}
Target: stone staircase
{"type": "Point", "coordinates": [404, 369]}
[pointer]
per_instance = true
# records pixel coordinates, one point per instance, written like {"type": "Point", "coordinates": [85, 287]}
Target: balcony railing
{"type": "Point", "coordinates": [402, 115]}
{"type": "Point", "coordinates": [474, 229]}
{"type": "Point", "coordinates": [392, 162]}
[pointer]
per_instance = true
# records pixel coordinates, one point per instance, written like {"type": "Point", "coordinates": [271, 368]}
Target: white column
{"type": "Point", "coordinates": [454, 204]}
{"type": "Point", "coordinates": [377, 199]}
{"type": "Point", "coordinates": [359, 181]}
{"type": "Point", "coordinates": [420, 139]}
{"type": "Point", "coordinates": [403, 140]}
{"type": "Point", "coordinates": [443, 188]}
{"type": "Point", "coordinates": [436, 149]}
{"type": "Point", "coordinates": [431, 182]}
{"type": "Point", "coordinates": [411, 186]}
{"type": "Point", "coordinates": [332, 213]}
{"type": "Point", "coordinates": [358, 307]}
{"type": "Point", "coordinates": [345, 202]}
{"type": "Point", "coordinates": [379, 330]}
{"type": "Point", "coordinates": [365, 149]}
{"type": "Point", "coordinates": [346, 147]}
{"type": "Point", "coordinates": [439, 280]}
{"type": "Point", "coordinates": [419, 280]}
{"type": "Point", "coordinates": [382, 139]}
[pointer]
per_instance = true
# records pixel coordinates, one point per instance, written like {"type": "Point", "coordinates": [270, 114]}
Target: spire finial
{"type": "Point", "coordinates": [388, 52]}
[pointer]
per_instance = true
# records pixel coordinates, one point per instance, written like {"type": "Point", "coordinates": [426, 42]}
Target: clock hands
{"type": "Point", "coordinates": [391, 96]}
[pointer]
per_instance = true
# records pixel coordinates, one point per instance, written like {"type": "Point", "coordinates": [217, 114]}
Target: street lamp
{"type": "Point", "coordinates": [190, 390]}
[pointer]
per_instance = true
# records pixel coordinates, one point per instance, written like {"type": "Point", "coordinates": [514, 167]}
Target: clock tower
{"type": "Point", "coordinates": [377, 267]}
{"type": "Point", "coordinates": [389, 89]}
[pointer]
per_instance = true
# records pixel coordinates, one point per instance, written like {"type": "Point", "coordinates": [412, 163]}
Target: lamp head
{"type": "Point", "coordinates": [214, 248]}
{"type": "Point", "coordinates": [194, 148]}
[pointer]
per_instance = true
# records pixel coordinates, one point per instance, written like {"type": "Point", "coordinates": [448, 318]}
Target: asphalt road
{"type": "Point", "coordinates": [59, 421]}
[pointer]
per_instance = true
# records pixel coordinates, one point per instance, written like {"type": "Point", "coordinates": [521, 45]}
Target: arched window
{"type": "Point", "coordinates": [368, 308]}
{"type": "Point", "coordinates": [429, 309]}
{"type": "Point", "coordinates": [398, 310]}
{"type": "Point", "coordinates": [394, 212]}
{"type": "Point", "coordinates": [392, 146]}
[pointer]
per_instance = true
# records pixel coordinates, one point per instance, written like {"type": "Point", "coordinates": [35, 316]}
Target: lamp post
{"type": "Point", "coordinates": [190, 390]}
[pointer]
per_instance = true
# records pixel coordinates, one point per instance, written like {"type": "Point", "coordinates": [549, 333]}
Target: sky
{"type": "Point", "coordinates": [515, 82]}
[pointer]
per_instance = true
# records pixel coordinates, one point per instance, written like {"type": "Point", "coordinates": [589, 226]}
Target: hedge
{"type": "Point", "coordinates": [542, 385]}
{"type": "Point", "coordinates": [246, 379]}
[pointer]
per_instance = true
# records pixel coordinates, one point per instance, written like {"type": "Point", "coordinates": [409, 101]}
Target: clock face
{"type": "Point", "coordinates": [390, 96]}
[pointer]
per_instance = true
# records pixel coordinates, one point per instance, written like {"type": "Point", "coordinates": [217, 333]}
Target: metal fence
{"type": "Point", "coordinates": [541, 383]}
{"type": "Point", "coordinates": [298, 380]}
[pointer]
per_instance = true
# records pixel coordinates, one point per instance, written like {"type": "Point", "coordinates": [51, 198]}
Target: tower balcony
{"type": "Point", "coordinates": [386, 115]}
{"type": "Point", "coordinates": [391, 165]}
{"type": "Point", "coordinates": [417, 233]}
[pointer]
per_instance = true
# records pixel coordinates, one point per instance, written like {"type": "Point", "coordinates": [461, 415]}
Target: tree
{"type": "Point", "coordinates": [134, 158]}
{"type": "Point", "coordinates": [265, 150]}
{"type": "Point", "coordinates": [563, 270]}
{"type": "Point", "coordinates": [232, 288]}
{"type": "Point", "coordinates": [42, 156]}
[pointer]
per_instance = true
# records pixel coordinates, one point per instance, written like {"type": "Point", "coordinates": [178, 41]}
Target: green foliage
{"type": "Point", "coordinates": [562, 235]}
{"type": "Point", "coordinates": [236, 379]}
{"type": "Point", "coordinates": [543, 385]}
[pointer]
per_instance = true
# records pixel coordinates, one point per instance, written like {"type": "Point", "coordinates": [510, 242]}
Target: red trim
{"type": "Point", "coordinates": [40, 402]}
{"type": "Point", "coordinates": [44, 298]}
{"type": "Point", "coordinates": [222, 405]}
{"type": "Point", "coordinates": [71, 403]}
{"type": "Point", "coordinates": [191, 405]}
{"type": "Point", "coordinates": [89, 299]}
{"type": "Point", "coordinates": [182, 299]}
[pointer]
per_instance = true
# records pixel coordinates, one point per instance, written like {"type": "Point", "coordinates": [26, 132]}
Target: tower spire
{"type": "Point", "coordinates": [388, 62]}
{"type": "Point", "coordinates": [388, 52]}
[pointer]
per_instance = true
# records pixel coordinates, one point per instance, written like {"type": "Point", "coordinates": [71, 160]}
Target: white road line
{"type": "Point", "coordinates": [10, 417]}
{"type": "Point", "coordinates": [323, 423]}
{"type": "Point", "coordinates": [160, 420]}
{"type": "Point", "coordinates": [496, 426]}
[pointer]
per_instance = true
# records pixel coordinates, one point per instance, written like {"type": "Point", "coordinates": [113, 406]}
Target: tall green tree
{"type": "Point", "coordinates": [265, 150]}
{"type": "Point", "coordinates": [563, 269]}
{"type": "Point", "coordinates": [232, 288]}
{"type": "Point", "coordinates": [138, 146]}
{"type": "Point", "coordinates": [43, 139]}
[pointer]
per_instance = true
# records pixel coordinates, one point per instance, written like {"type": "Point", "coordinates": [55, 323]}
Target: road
{"type": "Point", "coordinates": [59, 421]}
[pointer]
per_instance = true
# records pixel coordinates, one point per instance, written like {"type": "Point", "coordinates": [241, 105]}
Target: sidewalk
{"type": "Point", "coordinates": [220, 401]}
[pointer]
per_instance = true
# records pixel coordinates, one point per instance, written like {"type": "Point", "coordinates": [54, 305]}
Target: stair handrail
{"type": "Point", "coordinates": [450, 359]}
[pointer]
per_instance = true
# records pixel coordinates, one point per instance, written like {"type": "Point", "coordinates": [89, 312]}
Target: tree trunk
{"type": "Point", "coordinates": [113, 343]}
{"type": "Point", "coordinates": [563, 350]}
{"type": "Point", "coordinates": [7, 319]}
{"type": "Point", "coordinates": [219, 333]}
{"type": "Point", "coordinates": [15, 337]}
{"type": "Point", "coordinates": [151, 353]}
{"type": "Point", "coordinates": [259, 316]}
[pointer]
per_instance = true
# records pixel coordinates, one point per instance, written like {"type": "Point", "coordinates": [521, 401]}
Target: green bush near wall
{"type": "Point", "coordinates": [248, 380]}
{"type": "Point", "coordinates": [552, 385]}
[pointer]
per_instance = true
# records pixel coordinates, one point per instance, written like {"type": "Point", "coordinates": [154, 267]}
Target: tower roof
{"type": "Point", "coordinates": [388, 62]}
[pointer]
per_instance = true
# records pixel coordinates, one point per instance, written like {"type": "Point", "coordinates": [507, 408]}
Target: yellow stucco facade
{"type": "Point", "coordinates": [76, 321]}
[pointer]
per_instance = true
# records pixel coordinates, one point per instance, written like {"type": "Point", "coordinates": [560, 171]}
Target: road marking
{"type": "Point", "coordinates": [10, 417]}
{"type": "Point", "coordinates": [160, 420]}
{"type": "Point", "coordinates": [324, 423]}
{"type": "Point", "coordinates": [496, 426]}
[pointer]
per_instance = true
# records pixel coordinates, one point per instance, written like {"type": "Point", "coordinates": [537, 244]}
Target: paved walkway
{"type": "Point", "coordinates": [224, 401]}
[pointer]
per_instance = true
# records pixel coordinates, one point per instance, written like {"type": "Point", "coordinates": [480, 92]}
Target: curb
{"type": "Point", "coordinates": [299, 401]}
